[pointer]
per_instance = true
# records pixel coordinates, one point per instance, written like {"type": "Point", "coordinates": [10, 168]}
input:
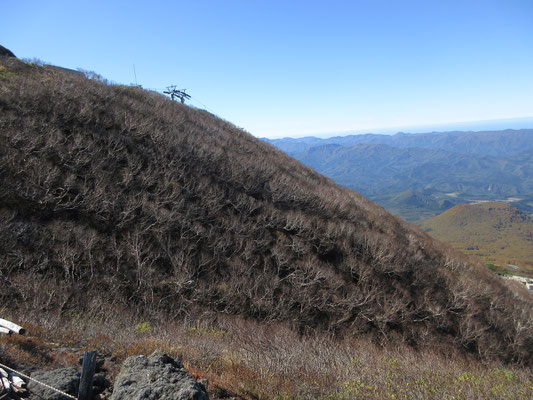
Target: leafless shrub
{"type": "Point", "coordinates": [115, 195]}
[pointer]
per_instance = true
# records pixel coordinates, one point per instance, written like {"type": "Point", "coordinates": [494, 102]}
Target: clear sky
{"type": "Point", "coordinates": [290, 68]}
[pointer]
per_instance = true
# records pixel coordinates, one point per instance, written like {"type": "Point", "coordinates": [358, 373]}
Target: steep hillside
{"type": "Point", "coordinates": [496, 233]}
{"type": "Point", "coordinates": [115, 198]}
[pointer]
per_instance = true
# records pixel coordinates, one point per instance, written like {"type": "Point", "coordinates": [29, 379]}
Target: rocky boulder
{"type": "Point", "coordinates": [64, 379]}
{"type": "Point", "coordinates": [6, 52]}
{"type": "Point", "coordinates": [156, 377]}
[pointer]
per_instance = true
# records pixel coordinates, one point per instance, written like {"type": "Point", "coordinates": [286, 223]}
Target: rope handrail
{"type": "Point", "coordinates": [40, 383]}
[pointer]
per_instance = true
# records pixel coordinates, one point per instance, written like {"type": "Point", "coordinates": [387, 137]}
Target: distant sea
{"type": "Point", "coordinates": [488, 125]}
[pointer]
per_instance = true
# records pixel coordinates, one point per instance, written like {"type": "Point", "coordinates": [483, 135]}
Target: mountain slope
{"type": "Point", "coordinates": [118, 198]}
{"type": "Point", "coordinates": [494, 232]}
{"type": "Point", "coordinates": [374, 169]}
{"type": "Point", "coordinates": [414, 205]}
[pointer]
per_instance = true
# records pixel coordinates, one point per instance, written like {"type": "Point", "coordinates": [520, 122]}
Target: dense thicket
{"type": "Point", "coordinates": [113, 196]}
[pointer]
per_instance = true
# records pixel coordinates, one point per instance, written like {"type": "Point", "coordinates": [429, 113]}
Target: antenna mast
{"type": "Point", "coordinates": [180, 94]}
{"type": "Point", "coordinates": [135, 74]}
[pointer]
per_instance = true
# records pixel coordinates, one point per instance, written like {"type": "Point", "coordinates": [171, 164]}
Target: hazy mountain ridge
{"type": "Point", "coordinates": [455, 166]}
{"type": "Point", "coordinates": [115, 198]}
{"type": "Point", "coordinates": [495, 143]}
{"type": "Point", "coordinates": [395, 169]}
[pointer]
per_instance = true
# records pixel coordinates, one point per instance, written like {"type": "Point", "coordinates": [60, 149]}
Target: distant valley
{"type": "Point", "coordinates": [419, 176]}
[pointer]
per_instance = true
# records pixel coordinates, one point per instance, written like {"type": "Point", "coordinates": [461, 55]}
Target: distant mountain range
{"type": "Point", "coordinates": [420, 175]}
{"type": "Point", "coordinates": [462, 126]}
{"type": "Point", "coordinates": [486, 142]}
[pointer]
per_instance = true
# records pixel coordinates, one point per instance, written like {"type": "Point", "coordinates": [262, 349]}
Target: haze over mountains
{"type": "Point", "coordinates": [491, 125]}
{"type": "Point", "coordinates": [117, 200]}
{"type": "Point", "coordinates": [420, 175]}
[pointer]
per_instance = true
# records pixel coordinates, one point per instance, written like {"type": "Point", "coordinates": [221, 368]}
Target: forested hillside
{"type": "Point", "coordinates": [117, 200]}
{"type": "Point", "coordinates": [496, 233]}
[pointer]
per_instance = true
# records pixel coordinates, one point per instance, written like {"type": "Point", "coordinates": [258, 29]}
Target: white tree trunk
{"type": "Point", "coordinates": [11, 326]}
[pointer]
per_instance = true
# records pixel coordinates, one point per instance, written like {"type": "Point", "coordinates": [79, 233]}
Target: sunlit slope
{"type": "Point", "coordinates": [496, 233]}
{"type": "Point", "coordinates": [117, 200]}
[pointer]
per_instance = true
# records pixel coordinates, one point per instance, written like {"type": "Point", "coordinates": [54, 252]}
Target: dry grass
{"type": "Point", "coordinates": [242, 358]}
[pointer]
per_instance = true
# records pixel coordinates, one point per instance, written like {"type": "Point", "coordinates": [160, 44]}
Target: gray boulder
{"type": "Point", "coordinates": [65, 379]}
{"type": "Point", "coordinates": [158, 377]}
{"type": "Point", "coordinates": [6, 52]}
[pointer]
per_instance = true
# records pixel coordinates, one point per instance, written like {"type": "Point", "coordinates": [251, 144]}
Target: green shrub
{"type": "Point", "coordinates": [144, 327]}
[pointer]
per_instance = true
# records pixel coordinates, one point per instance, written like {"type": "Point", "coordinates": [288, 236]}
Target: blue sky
{"type": "Point", "coordinates": [292, 68]}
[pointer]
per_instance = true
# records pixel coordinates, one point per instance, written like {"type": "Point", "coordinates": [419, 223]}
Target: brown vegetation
{"type": "Point", "coordinates": [495, 233]}
{"type": "Point", "coordinates": [247, 360]}
{"type": "Point", "coordinates": [117, 198]}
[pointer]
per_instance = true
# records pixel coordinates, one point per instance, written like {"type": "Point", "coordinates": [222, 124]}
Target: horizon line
{"type": "Point", "coordinates": [418, 129]}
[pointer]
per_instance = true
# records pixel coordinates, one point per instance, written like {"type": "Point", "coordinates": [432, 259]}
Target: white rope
{"type": "Point", "coordinates": [40, 383]}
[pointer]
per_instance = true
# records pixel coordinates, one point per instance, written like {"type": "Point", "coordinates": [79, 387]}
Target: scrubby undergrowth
{"type": "Point", "coordinates": [118, 198]}
{"type": "Point", "coordinates": [244, 359]}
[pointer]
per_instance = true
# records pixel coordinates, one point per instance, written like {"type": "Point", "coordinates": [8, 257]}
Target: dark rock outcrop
{"type": "Point", "coordinates": [6, 52]}
{"type": "Point", "coordinates": [64, 379]}
{"type": "Point", "coordinates": [156, 377]}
